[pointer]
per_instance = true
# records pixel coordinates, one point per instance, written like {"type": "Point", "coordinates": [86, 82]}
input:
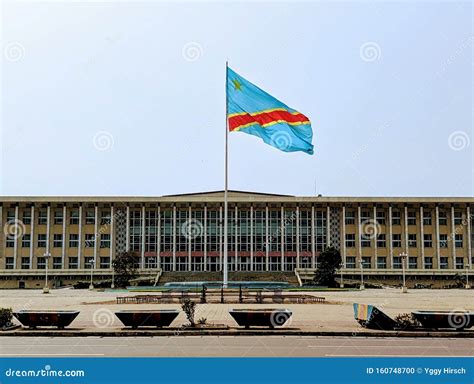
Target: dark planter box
{"type": "Point", "coordinates": [46, 318]}
{"type": "Point", "coordinates": [445, 319]}
{"type": "Point", "coordinates": [371, 317]}
{"type": "Point", "coordinates": [261, 317]}
{"type": "Point", "coordinates": [147, 318]}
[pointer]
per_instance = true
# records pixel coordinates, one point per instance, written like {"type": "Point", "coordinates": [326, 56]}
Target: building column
{"type": "Point", "coordinates": [405, 227]}
{"type": "Point", "coordinates": [359, 234]}
{"type": "Point", "coordinates": [48, 233]}
{"type": "Point", "coordinates": [251, 237]}
{"type": "Point", "coordinates": [174, 237]}
{"type": "Point", "coordinates": [469, 244]}
{"type": "Point", "coordinates": [205, 236]}
{"type": "Point", "coordinates": [15, 239]}
{"type": "Point", "coordinates": [375, 234]}
{"type": "Point", "coordinates": [422, 238]}
{"type": "Point", "coordinates": [313, 238]}
{"type": "Point", "coordinates": [343, 240]}
{"type": "Point", "coordinates": [142, 250]}
{"type": "Point", "coordinates": [438, 256]}
{"type": "Point", "coordinates": [96, 234]}
{"type": "Point", "coordinates": [112, 235]}
{"type": "Point", "coordinates": [63, 245]}
{"type": "Point", "coordinates": [158, 239]}
{"type": "Point", "coordinates": [282, 237]}
{"type": "Point", "coordinates": [221, 250]}
{"type": "Point", "coordinates": [297, 236]}
{"type": "Point", "coordinates": [189, 234]}
{"type": "Point", "coordinates": [328, 226]}
{"type": "Point", "coordinates": [32, 235]}
{"type": "Point", "coordinates": [390, 235]}
{"type": "Point", "coordinates": [127, 229]}
{"type": "Point", "coordinates": [267, 250]}
{"type": "Point", "coordinates": [79, 245]}
{"type": "Point", "coordinates": [237, 230]}
{"type": "Point", "coordinates": [453, 234]}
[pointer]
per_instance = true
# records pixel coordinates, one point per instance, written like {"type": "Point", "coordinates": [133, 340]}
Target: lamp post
{"type": "Point", "coordinates": [92, 262]}
{"type": "Point", "coordinates": [467, 286]}
{"type": "Point", "coordinates": [404, 256]}
{"type": "Point", "coordinates": [113, 277]}
{"type": "Point", "coordinates": [46, 256]}
{"type": "Point", "coordinates": [341, 283]}
{"type": "Point", "coordinates": [361, 264]}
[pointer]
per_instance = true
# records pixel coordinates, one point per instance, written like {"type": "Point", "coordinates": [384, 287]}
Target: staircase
{"type": "Point", "coordinates": [305, 275]}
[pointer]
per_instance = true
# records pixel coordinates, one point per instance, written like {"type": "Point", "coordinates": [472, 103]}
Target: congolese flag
{"type": "Point", "coordinates": [253, 111]}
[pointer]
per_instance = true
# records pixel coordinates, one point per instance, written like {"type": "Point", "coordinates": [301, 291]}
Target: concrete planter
{"type": "Point", "coordinates": [445, 319]}
{"type": "Point", "coordinates": [147, 318]}
{"type": "Point", "coordinates": [265, 317]}
{"type": "Point", "coordinates": [47, 318]}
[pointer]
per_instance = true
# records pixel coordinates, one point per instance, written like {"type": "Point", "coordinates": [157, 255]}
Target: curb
{"type": "Point", "coordinates": [233, 332]}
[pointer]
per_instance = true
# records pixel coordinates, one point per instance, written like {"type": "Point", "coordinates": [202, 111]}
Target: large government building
{"type": "Point", "coordinates": [267, 233]}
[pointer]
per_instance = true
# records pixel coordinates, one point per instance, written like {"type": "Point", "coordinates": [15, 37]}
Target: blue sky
{"type": "Point", "coordinates": [128, 98]}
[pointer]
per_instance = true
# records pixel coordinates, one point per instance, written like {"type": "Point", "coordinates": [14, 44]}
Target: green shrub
{"type": "Point", "coordinates": [5, 317]}
{"type": "Point", "coordinates": [189, 308]}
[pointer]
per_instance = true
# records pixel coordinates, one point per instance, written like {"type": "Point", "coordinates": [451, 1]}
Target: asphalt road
{"type": "Point", "coordinates": [235, 346]}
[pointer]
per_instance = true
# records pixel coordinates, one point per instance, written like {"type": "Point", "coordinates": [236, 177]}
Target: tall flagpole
{"type": "Point", "coordinates": [225, 266]}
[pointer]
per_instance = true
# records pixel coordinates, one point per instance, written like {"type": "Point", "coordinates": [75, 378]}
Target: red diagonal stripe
{"type": "Point", "coordinates": [265, 118]}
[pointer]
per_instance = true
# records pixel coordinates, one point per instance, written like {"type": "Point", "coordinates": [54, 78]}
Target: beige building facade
{"type": "Point", "coordinates": [267, 233]}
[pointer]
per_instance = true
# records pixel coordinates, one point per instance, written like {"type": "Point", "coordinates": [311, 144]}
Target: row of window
{"type": "Point", "coordinates": [41, 242]}
{"type": "Point", "coordinates": [58, 217]}
{"type": "Point", "coordinates": [73, 262]}
{"type": "Point", "coordinates": [366, 240]}
{"type": "Point", "coordinates": [411, 263]}
{"type": "Point", "coordinates": [366, 215]}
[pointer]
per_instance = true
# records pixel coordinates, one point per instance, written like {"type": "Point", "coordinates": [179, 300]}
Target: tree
{"type": "Point", "coordinates": [124, 268]}
{"type": "Point", "coordinates": [329, 262]}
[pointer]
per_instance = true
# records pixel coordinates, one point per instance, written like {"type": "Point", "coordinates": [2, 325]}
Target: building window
{"type": "Point", "coordinates": [458, 241]}
{"type": "Point", "coordinates": [457, 217]}
{"type": "Point", "coordinates": [350, 240]}
{"type": "Point", "coordinates": [9, 262]}
{"type": "Point", "coordinates": [366, 262]}
{"type": "Point", "coordinates": [443, 241]}
{"type": "Point", "coordinates": [320, 228]}
{"type": "Point", "coordinates": [89, 240]}
{"type": "Point", "coordinates": [365, 241]}
{"type": "Point", "coordinates": [381, 262]}
{"type": "Point", "coordinates": [396, 215]}
{"type": "Point", "coordinates": [244, 235]}
{"type": "Point", "coordinates": [105, 262]}
{"type": "Point", "coordinates": [74, 218]}
{"type": "Point", "coordinates": [58, 217]}
{"type": "Point", "coordinates": [105, 218]}
{"type": "Point", "coordinates": [42, 217]}
{"type": "Point", "coordinates": [412, 240]}
{"type": "Point", "coordinates": [397, 262]}
{"type": "Point", "coordinates": [305, 230]}
{"type": "Point", "coordinates": [57, 240]}
{"type": "Point", "coordinates": [412, 262]}
{"type": "Point", "coordinates": [259, 263]}
{"type": "Point", "coordinates": [90, 216]}
{"type": "Point", "coordinates": [57, 263]}
{"type": "Point", "coordinates": [397, 240]}
{"type": "Point", "coordinates": [443, 218]}
{"type": "Point", "coordinates": [275, 263]}
{"type": "Point", "coordinates": [381, 217]}
{"type": "Point", "coordinates": [26, 217]}
{"type": "Point", "coordinates": [350, 217]}
{"type": "Point", "coordinates": [459, 262]}
{"type": "Point", "coordinates": [73, 240]}
{"type": "Point", "coordinates": [105, 240]}
{"type": "Point", "coordinates": [10, 215]}
{"type": "Point", "coordinates": [426, 217]}
{"type": "Point", "coordinates": [10, 242]}
{"type": "Point", "coordinates": [443, 263]}
{"type": "Point", "coordinates": [25, 263]}
{"type": "Point", "coordinates": [381, 241]}
{"type": "Point", "coordinates": [411, 219]}
{"type": "Point", "coordinates": [26, 240]}
{"type": "Point", "coordinates": [166, 243]}
{"type": "Point", "coordinates": [41, 240]}
{"type": "Point", "coordinates": [428, 240]}
{"type": "Point", "coordinates": [73, 263]}
{"type": "Point", "coordinates": [350, 262]}
{"type": "Point", "coordinates": [428, 263]}
{"type": "Point", "coordinates": [41, 263]}
{"type": "Point", "coordinates": [136, 231]}
{"type": "Point", "coordinates": [364, 216]}
{"type": "Point", "coordinates": [182, 263]}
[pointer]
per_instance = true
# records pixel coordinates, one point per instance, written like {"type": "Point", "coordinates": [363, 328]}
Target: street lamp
{"type": "Point", "coordinates": [341, 283]}
{"type": "Point", "coordinates": [92, 262]}
{"type": "Point", "coordinates": [46, 256]}
{"type": "Point", "coordinates": [404, 256]}
{"type": "Point", "coordinates": [361, 264]}
{"type": "Point", "coordinates": [467, 286]}
{"type": "Point", "coordinates": [113, 277]}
